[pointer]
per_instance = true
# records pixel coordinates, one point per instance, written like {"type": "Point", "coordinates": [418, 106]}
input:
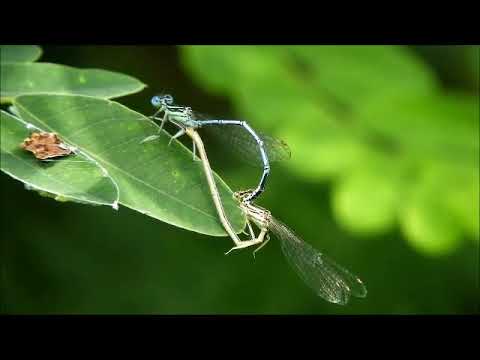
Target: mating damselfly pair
{"type": "Point", "coordinates": [329, 280]}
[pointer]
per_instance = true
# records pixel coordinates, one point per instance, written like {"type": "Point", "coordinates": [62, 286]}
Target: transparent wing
{"type": "Point", "coordinates": [328, 279]}
{"type": "Point", "coordinates": [240, 142]}
{"type": "Point", "coordinates": [245, 146]}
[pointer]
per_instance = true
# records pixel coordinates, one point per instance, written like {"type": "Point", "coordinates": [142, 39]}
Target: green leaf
{"type": "Point", "coordinates": [74, 178]}
{"type": "Point", "coordinates": [324, 151]}
{"type": "Point", "coordinates": [366, 201]}
{"type": "Point", "coordinates": [427, 220]}
{"type": "Point", "coordinates": [310, 95]}
{"type": "Point", "coordinates": [357, 75]}
{"type": "Point", "coordinates": [335, 77]}
{"type": "Point", "coordinates": [459, 186]}
{"type": "Point", "coordinates": [19, 53]}
{"type": "Point", "coordinates": [34, 78]}
{"type": "Point", "coordinates": [436, 127]}
{"type": "Point", "coordinates": [430, 234]}
{"type": "Point", "coordinates": [155, 179]}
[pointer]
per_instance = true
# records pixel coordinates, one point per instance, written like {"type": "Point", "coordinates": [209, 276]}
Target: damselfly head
{"type": "Point", "coordinates": [162, 100]}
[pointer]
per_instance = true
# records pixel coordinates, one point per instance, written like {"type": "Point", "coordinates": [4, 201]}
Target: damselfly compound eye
{"type": "Point", "coordinates": [156, 101]}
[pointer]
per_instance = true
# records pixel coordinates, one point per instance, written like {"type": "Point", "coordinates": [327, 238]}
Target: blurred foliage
{"type": "Point", "coordinates": [365, 144]}
{"type": "Point", "coordinates": [371, 119]}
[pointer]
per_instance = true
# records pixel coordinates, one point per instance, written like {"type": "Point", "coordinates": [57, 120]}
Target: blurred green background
{"type": "Point", "coordinates": [383, 179]}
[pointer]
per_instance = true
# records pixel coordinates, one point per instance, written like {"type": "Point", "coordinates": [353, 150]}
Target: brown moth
{"type": "Point", "coordinates": [46, 145]}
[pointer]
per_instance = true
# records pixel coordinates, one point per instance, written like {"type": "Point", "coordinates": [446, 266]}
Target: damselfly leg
{"type": "Point", "coordinates": [267, 237]}
{"type": "Point", "coordinates": [253, 241]}
{"type": "Point", "coordinates": [180, 132]}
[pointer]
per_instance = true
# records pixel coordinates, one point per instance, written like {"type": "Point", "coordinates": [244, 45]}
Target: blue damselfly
{"type": "Point", "coordinates": [247, 142]}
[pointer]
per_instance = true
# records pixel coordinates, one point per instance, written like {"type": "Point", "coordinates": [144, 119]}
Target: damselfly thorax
{"type": "Point", "coordinates": [259, 215]}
